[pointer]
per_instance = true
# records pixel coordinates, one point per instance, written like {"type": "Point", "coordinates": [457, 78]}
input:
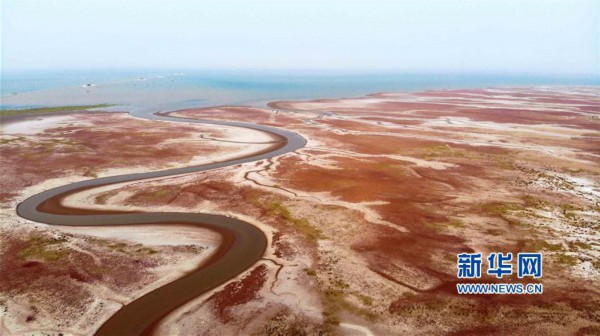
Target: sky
{"type": "Point", "coordinates": [508, 36]}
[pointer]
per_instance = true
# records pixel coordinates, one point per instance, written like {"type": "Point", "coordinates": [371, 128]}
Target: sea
{"type": "Point", "coordinates": [167, 90]}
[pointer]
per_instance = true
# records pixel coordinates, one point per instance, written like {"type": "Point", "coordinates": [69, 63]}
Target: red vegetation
{"type": "Point", "coordinates": [235, 113]}
{"type": "Point", "coordinates": [47, 268]}
{"type": "Point", "coordinates": [282, 249]}
{"type": "Point", "coordinates": [114, 141]}
{"type": "Point", "coordinates": [238, 293]}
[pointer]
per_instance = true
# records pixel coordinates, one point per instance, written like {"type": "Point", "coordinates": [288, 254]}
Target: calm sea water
{"type": "Point", "coordinates": [167, 90]}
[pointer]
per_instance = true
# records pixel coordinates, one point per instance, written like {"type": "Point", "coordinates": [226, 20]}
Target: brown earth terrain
{"type": "Point", "coordinates": [364, 223]}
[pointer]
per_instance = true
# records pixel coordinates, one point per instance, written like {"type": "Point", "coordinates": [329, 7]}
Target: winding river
{"type": "Point", "coordinates": [242, 243]}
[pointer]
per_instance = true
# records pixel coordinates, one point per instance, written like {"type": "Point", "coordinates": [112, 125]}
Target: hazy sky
{"type": "Point", "coordinates": [519, 36]}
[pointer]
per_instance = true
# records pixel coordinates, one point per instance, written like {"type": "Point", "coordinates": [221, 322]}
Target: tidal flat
{"type": "Point", "coordinates": [363, 223]}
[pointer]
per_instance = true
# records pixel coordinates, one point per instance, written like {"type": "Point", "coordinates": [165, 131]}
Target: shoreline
{"type": "Point", "coordinates": [32, 116]}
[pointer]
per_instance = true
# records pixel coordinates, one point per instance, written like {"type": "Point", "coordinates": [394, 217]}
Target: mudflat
{"type": "Point", "coordinates": [360, 227]}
